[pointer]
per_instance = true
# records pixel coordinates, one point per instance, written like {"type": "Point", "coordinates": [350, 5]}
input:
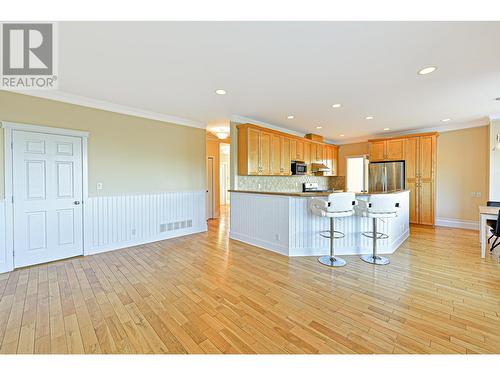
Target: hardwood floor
{"type": "Point", "coordinates": [206, 294]}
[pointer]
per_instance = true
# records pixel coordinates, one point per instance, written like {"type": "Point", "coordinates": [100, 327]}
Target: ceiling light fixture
{"type": "Point", "coordinates": [342, 135]}
{"type": "Point", "coordinates": [427, 70]}
{"type": "Point", "coordinates": [319, 127]}
{"type": "Point", "coordinates": [290, 117]}
{"type": "Point", "coordinates": [338, 105]}
{"type": "Point", "coordinates": [221, 135]}
{"type": "Point", "coordinates": [386, 129]}
{"type": "Point", "coordinates": [220, 92]}
{"type": "Point", "coordinates": [369, 118]}
{"type": "Point", "coordinates": [445, 120]}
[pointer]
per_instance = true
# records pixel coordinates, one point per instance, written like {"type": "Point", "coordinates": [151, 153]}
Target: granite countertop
{"type": "Point", "coordinates": [308, 194]}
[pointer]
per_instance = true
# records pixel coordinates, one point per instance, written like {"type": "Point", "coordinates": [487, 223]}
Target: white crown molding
{"type": "Point", "coordinates": [440, 129]}
{"type": "Point", "coordinates": [43, 129]}
{"type": "Point", "coordinates": [244, 120]}
{"type": "Point", "coordinates": [109, 106]}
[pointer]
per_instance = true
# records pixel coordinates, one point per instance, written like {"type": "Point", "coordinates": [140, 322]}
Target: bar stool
{"type": "Point", "coordinates": [378, 206]}
{"type": "Point", "coordinates": [337, 205]}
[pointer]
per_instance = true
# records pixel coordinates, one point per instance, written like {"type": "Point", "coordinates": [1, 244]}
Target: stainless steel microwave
{"type": "Point", "coordinates": [298, 168]}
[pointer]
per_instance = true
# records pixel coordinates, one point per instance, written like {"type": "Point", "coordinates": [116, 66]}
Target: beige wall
{"type": "Point", "coordinates": [462, 168]}
{"type": "Point", "coordinates": [127, 154]}
{"type": "Point", "coordinates": [352, 149]}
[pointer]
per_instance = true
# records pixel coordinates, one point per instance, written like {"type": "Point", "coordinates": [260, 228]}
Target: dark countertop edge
{"type": "Point", "coordinates": [306, 195]}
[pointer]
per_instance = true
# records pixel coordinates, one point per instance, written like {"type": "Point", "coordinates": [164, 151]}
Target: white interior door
{"type": "Point", "coordinates": [47, 186]}
{"type": "Point", "coordinates": [210, 188]}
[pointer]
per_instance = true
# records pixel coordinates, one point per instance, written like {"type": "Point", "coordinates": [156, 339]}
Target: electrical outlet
{"type": "Point", "coordinates": [259, 186]}
{"type": "Point", "coordinates": [133, 232]}
{"type": "Point", "coordinates": [99, 186]}
{"type": "Point", "coordinates": [277, 236]}
{"type": "Point", "coordinates": [475, 194]}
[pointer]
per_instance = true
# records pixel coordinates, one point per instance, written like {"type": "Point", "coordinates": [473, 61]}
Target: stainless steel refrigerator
{"type": "Point", "coordinates": [386, 176]}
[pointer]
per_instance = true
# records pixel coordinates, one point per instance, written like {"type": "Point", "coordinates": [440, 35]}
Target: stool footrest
{"type": "Point", "coordinates": [380, 236]}
{"type": "Point", "coordinates": [327, 234]}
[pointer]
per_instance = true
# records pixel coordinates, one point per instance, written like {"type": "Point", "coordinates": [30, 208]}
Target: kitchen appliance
{"type": "Point", "coordinates": [312, 187]}
{"type": "Point", "coordinates": [298, 168]}
{"type": "Point", "coordinates": [386, 176]}
{"type": "Point", "coordinates": [319, 167]}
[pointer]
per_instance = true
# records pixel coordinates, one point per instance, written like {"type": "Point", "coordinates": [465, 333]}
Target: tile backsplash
{"type": "Point", "coordinates": [287, 183]}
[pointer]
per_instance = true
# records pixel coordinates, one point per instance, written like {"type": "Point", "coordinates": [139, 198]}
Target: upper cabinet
{"type": "Point", "coordinates": [331, 159]}
{"type": "Point", "coordinates": [256, 144]}
{"type": "Point", "coordinates": [267, 152]}
{"type": "Point", "coordinates": [390, 149]}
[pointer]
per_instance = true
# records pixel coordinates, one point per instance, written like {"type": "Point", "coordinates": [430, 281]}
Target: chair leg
{"type": "Point", "coordinates": [375, 258]}
{"type": "Point", "coordinates": [331, 260]}
{"type": "Point", "coordinates": [490, 237]}
{"type": "Point", "coordinates": [495, 244]}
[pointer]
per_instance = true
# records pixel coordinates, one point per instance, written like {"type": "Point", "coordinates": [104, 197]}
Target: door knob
{"type": "Point", "coordinates": [76, 203]}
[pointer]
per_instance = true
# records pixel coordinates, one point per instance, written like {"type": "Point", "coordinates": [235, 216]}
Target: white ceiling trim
{"type": "Point", "coordinates": [111, 107]}
{"type": "Point", "coordinates": [245, 120]}
{"type": "Point", "coordinates": [440, 129]}
{"type": "Point", "coordinates": [248, 120]}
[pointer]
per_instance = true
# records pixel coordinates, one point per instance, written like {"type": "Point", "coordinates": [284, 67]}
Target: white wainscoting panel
{"type": "Point", "coordinates": [286, 225]}
{"type": "Point", "coordinates": [115, 222]}
{"type": "Point", "coordinates": [260, 220]}
{"type": "Point", "coordinates": [4, 265]}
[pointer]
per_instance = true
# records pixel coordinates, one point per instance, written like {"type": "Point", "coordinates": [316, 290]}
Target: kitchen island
{"type": "Point", "coordinates": [282, 222]}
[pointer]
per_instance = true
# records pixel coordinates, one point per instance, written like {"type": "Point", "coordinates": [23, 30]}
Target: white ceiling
{"type": "Point", "coordinates": [274, 69]}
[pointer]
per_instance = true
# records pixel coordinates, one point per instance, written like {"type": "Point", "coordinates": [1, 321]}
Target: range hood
{"type": "Point", "coordinates": [319, 167]}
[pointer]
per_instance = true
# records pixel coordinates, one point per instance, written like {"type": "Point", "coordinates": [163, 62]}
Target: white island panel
{"type": "Point", "coordinates": [285, 224]}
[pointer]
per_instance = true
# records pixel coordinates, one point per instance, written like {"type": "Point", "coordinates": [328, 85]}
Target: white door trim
{"type": "Point", "coordinates": [9, 127]}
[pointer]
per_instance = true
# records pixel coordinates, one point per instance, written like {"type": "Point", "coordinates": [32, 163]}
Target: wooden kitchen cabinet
{"type": "Point", "coordinates": [385, 150]}
{"type": "Point", "coordinates": [280, 155]}
{"type": "Point", "coordinates": [331, 156]}
{"type": "Point", "coordinates": [299, 154]}
{"type": "Point", "coordinates": [377, 151]}
{"type": "Point", "coordinates": [254, 152]}
{"type": "Point", "coordinates": [268, 152]}
{"type": "Point", "coordinates": [293, 149]}
{"type": "Point", "coordinates": [420, 164]}
{"type": "Point", "coordinates": [276, 147]}
{"type": "Point", "coordinates": [395, 149]}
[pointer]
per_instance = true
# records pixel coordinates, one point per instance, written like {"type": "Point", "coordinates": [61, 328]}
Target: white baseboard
{"type": "Point", "coordinates": [277, 248]}
{"type": "Point", "coordinates": [457, 223]}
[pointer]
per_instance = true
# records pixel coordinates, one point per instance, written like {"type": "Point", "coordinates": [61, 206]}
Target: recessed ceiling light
{"type": "Point", "coordinates": [445, 119]}
{"type": "Point", "coordinates": [427, 70]}
{"type": "Point", "coordinates": [342, 135]}
{"type": "Point", "coordinates": [338, 105]}
{"type": "Point", "coordinates": [369, 118]}
{"type": "Point", "coordinates": [319, 127]}
{"type": "Point", "coordinates": [386, 129]}
{"type": "Point", "coordinates": [290, 117]}
{"type": "Point", "coordinates": [220, 92]}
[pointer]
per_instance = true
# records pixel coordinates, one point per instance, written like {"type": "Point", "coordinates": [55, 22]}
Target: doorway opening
{"type": "Point", "coordinates": [224, 176]}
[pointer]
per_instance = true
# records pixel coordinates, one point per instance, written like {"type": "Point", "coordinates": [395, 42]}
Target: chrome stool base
{"type": "Point", "coordinates": [375, 259]}
{"type": "Point", "coordinates": [329, 261]}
